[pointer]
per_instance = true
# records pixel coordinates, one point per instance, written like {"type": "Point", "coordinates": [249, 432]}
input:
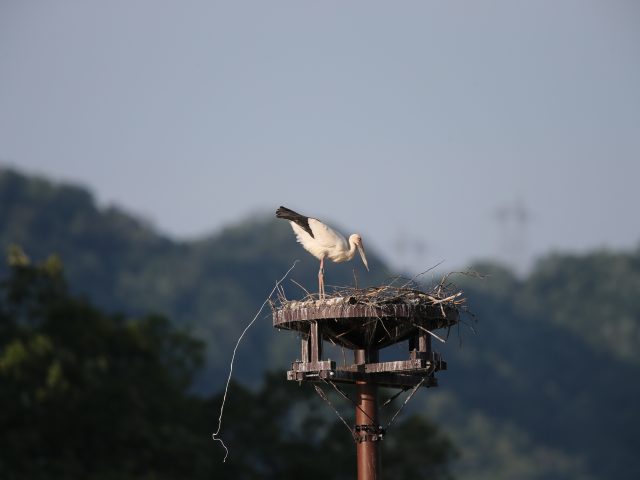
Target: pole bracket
{"type": "Point", "coordinates": [369, 433]}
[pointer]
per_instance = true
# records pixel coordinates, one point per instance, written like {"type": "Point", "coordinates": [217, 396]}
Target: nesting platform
{"type": "Point", "coordinates": [365, 322]}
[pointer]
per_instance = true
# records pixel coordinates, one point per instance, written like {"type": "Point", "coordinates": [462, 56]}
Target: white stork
{"type": "Point", "coordinates": [322, 241]}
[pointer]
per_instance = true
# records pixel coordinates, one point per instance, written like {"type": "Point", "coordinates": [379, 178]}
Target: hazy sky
{"type": "Point", "coordinates": [421, 119]}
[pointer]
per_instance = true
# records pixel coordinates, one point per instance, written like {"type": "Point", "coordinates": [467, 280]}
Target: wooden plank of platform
{"type": "Point", "coordinates": [387, 379]}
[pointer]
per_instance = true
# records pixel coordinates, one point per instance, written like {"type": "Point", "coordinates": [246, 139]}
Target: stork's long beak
{"type": "Point", "coordinates": [362, 255]}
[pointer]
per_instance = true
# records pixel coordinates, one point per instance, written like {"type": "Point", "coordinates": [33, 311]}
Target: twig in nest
{"type": "Point", "coordinates": [431, 333]}
{"type": "Point", "coordinates": [305, 290]}
{"type": "Point", "coordinates": [413, 279]}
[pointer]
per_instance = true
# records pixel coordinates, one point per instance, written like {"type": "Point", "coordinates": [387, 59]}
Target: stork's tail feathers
{"type": "Point", "coordinates": [284, 212]}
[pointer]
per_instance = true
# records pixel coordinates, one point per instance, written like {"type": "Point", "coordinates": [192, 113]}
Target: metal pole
{"type": "Point", "coordinates": [368, 446]}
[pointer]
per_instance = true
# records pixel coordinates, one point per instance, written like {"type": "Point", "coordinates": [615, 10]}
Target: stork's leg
{"type": "Point", "coordinates": [321, 279]}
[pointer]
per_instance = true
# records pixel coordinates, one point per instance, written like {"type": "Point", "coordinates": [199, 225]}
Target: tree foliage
{"type": "Point", "coordinates": [87, 394]}
{"type": "Point", "coordinates": [594, 296]}
{"type": "Point", "coordinates": [542, 376]}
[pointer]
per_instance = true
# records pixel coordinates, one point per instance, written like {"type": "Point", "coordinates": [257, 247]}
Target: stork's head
{"type": "Point", "coordinates": [357, 241]}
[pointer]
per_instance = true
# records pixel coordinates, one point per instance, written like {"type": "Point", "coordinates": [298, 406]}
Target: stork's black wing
{"type": "Point", "coordinates": [284, 212]}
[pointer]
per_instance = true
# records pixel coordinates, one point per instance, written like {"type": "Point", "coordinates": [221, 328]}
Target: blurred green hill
{"type": "Point", "coordinates": [539, 383]}
{"type": "Point", "coordinates": [546, 388]}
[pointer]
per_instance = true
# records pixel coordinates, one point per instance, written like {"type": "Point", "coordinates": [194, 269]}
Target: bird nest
{"type": "Point", "coordinates": [373, 317]}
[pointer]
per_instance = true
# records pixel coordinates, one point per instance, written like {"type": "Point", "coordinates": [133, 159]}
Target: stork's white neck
{"type": "Point", "coordinates": [352, 249]}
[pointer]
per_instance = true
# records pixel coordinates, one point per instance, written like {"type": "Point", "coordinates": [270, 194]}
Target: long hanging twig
{"type": "Point", "coordinates": [216, 434]}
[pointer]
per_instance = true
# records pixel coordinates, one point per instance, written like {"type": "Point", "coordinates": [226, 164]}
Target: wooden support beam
{"type": "Point", "coordinates": [388, 380]}
{"type": "Point", "coordinates": [420, 343]}
{"type": "Point", "coordinates": [315, 333]}
{"type": "Point", "coordinates": [314, 366]}
{"type": "Point", "coordinates": [304, 348]}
